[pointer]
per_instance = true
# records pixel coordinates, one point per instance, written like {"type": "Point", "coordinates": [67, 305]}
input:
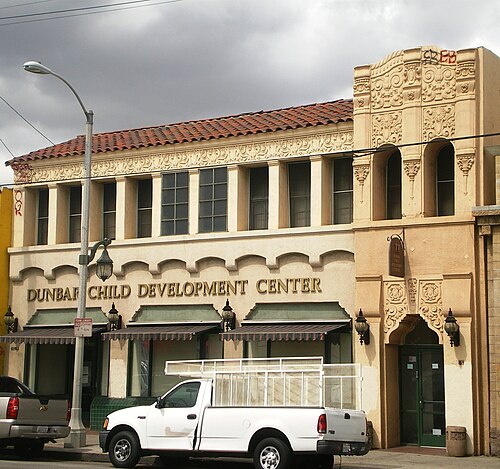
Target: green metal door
{"type": "Point", "coordinates": [422, 395]}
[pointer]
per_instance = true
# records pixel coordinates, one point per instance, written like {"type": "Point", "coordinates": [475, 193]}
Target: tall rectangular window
{"type": "Point", "coordinates": [144, 207]}
{"type": "Point", "coordinates": [109, 211]}
{"type": "Point", "coordinates": [299, 188]}
{"type": "Point", "coordinates": [445, 181]}
{"type": "Point", "coordinates": [75, 214]}
{"type": "Point", "coordinates": [42, 217]}
{"type": "Point", "coordinates": [259, 198]}
{"type": "Point", "coordinates": [342, 191]}
{"type": "Point", "coordinates": [213, 200]}
{"type": "Point", "coordinates": [174, 203]}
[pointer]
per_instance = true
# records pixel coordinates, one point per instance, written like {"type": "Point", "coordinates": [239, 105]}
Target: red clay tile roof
{"type": "Point", "coordinates": [311, 115]}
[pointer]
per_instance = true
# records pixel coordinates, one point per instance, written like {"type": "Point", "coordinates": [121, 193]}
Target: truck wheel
{"type": "Point", "coordinates": [272, 453]}
{"type": "Point", "coordinates": [124, 450]}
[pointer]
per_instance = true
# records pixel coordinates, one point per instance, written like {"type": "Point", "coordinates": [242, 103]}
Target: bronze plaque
{"type": "Point", "coordinates": [396, 257]}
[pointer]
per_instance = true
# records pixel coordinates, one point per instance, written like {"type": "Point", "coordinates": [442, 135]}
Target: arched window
{"type": "Point", "coordinates": [393, 185]}
{"type": "Point", "coordinates": [439, 179]}
{"type": "Point", "coordinates": [445, 181]}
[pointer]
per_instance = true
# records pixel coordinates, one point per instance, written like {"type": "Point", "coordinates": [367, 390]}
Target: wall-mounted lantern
{"type": "Point", "coordinates": [362, 328]}
{"type": "Point", "coordinates": [104, 265]}
{"type": "Point", "coordinates": [11, 322]}
{"type": "Point", "coordinates": [452, 329]}
{"type": "Point", "coordinates": [115, 319]}
{"type": "Point", "coordinates": [228, 317]}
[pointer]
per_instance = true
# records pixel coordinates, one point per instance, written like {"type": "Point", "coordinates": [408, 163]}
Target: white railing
{"type": "Point", "coordinates": [303, 381]}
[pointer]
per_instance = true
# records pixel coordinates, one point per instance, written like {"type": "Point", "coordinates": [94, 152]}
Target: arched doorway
{"type": "Point", "coordinates": [421, 384]}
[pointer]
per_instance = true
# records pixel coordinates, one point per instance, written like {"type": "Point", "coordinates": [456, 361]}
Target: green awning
{"type": "Point", "coordinates": [299, 311]}
{"type": "Point", "coordinates": [64, 317]}
{"type": "Point", "coordinates": [176, 314]}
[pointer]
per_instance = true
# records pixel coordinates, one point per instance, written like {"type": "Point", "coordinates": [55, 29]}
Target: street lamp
{"type": "Point", "coordinates": [77, 437]}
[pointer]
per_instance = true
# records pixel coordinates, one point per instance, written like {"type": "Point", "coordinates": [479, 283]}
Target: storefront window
{"type": "Point", "coordinates": [147, 362]}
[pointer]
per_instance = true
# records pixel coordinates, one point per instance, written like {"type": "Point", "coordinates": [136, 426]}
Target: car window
{"type": "Point", "coordinates": [184, 395]}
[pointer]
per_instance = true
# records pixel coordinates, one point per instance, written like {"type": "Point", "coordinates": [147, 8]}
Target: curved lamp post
{"type": "Point", "coordinates": [77, 437]}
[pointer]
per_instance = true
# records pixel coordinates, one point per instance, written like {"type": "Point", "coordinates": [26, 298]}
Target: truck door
{"type": "Point", "coordinates": [173, 423]}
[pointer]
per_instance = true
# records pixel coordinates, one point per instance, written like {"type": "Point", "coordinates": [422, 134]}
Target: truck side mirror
{"type": "Point", "coordinates": [159, 402]}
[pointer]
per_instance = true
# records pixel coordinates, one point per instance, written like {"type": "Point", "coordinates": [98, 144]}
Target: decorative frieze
{"type": "Point", "coordinates": [438, 83]}
{"type": "Point", "coordinates": [177, 158]}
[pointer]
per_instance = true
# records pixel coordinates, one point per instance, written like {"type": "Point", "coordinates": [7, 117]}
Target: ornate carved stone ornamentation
{"type": "Point", "coordinates": [439, 122]}
{"type": "Point", "coordinates": [438, 83]}
{"type": "Point", "coordinates": [387, 128]}
{"type": "Point", "coordinates": [184, 157]}
{"type": "Point", "coordinates": [395, 306]}
{"type": "Point", "coordinates": [411, 285]}
{"type": "Point", "coordinates": [361, 172]}
{"type": "Point", "coordinates": [465, 163]}
{"type": "Point", "coordinates": [411, 168]}
{"type": "Point", "coordinates": [430, 304]}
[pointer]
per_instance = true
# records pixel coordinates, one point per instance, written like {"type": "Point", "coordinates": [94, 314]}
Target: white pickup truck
{"type": "Point", "coordinates": [187, 422]}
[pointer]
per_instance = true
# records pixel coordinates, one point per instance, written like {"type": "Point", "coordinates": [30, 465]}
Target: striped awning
{"type": "Point", "coordinates": [46, 335]}
{"type": "Point", "coordinates": [160, 332]}
{"type": "Point", "coordinates": [281, 332]}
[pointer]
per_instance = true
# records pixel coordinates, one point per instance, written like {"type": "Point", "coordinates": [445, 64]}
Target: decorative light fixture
{"type": "Point", "coordinates": [11, 322]}
{"type": "Point", "coordinates": [104, 267]}
{"type": "Point", "coordinates": [362, 328]}
{"type": "Point", "coordinates": [115, 319]}
{"type": "Point", "coordinates": [452, 329]}
{"type": "Point", "coordinates": [228, 317]}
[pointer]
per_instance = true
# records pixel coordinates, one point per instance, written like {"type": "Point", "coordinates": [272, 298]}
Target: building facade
{"type": "Point", "coordinates": [285, 218]}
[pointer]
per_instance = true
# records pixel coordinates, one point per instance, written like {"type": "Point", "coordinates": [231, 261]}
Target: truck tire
{"type": "Point", "coordinates": [124, 449]}
{"type": "Point", "coordinates": [272, 453]}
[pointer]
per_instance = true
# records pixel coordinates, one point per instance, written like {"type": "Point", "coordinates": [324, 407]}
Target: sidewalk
{"type": "Point", "coordinates": [393, 458]}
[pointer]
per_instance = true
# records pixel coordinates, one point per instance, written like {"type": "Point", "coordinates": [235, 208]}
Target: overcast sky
{"type": "Point", "coordinates": [181, 60]}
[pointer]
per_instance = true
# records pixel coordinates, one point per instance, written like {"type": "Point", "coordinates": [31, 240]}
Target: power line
{"type": "Point", "coordinates": [8, 149]}
{"type": "Point", "coordinates": [83, 11]}
{"type": "Point", "coordinates": [18, 5]}
{"type": "Point", "coordinates": [27, 121]}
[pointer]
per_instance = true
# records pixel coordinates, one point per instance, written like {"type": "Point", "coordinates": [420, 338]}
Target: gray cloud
{"type": "Point", "coordinates": [207, 58]}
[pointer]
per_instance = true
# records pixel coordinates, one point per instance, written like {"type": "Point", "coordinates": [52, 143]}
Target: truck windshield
{"type": "Point", "coordinates": [184, 395]}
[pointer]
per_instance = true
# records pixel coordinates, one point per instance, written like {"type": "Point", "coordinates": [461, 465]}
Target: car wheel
{"type": "Point", "coordinates": [272, 453]}
{"type": "Point", "coordinates": [124, 449]}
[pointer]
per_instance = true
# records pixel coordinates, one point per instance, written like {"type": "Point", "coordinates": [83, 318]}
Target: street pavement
{"type": "Point", "coordinates": [395, 458]}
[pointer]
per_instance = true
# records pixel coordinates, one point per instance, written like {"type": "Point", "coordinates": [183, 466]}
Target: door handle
{"type": "Point", "coordinates": [191, 417]}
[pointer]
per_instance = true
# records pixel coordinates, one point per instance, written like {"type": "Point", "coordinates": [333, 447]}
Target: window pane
{"type": "Point", "coordinates": [206, 193]}
{"type": "Point", "coordinates": [109, 197]}
{"type": "Point", "coordinates": [75, 200]}
{"type": "Point", "coordinates": [205, 225]}
{"type": "Point", "coordinates": [205, 209]}
{"type": "Point", "coordinates": [206, 176]}
{"type": "Point", "coordinates": [299, 186]}
{"type": "Point", "coordinates": [181, 227]}
{"type": "Point", "coordinates": [175, 200]}
{"type": "Point", "coordinates": [109, 230]}
{"type": "Point", "coordinates": [220, 191]}
{"type": "Point", "coordinates": [168, 196]}
{"type": "Point", "coordinates": [259, 196]}
{"type": "Point", "coordinates": [181, 211]}
{"type": "Point", "coordinates": [144, 193]}
{"type": "Point", "coordinates": [220, 223]}
{"type": "Point", "coordinates": [220, 175]}
{"type": "Point", "coordinates": [167, 228]}
{"type": "Point", "coordinates": [446, 182]}
{"type": "Point", "coordinates": [342, 190]}
{"type": "Point", "coordinates": [144, 223]}
{"type": "Point", "coordinates": [394, 186]}
{"type": "Point", "coordinates": [43, 216]}
{"type": "Point", "coordinates": [139, 368]}
{"type": "Point", "coordinates": [167, 212]}
{"type": "Point", "coordinates": [220, 207]}
{"type": "Point", "coordinates": [167, 180]}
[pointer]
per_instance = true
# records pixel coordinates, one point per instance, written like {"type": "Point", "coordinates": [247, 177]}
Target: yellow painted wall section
{"type": "Point", "coordinates": [5, 242]}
